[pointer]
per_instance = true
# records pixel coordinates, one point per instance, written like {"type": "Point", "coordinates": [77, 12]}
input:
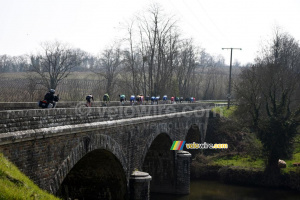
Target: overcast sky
{"type": "Point", "coordinates": [94, 24]}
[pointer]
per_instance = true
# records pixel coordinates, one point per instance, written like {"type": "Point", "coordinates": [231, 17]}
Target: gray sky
{"type": "Point", "coordinates": [94, 24]}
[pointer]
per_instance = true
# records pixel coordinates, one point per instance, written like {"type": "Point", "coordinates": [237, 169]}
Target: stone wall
{"type": "Point", "coordinates": [18, 120]}
{"type": "Point", "coordinates": [60, 104]}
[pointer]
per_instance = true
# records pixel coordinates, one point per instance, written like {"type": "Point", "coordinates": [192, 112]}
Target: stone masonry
{"type": "Point", "coordinates": [46, 144]}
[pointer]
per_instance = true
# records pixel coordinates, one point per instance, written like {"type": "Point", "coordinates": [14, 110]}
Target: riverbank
{"type": "Point", "coordinates": [243, 162]}
{"type": "Point", "coordinates": [244, 176]}
{"type": "Point", "coordinates": [15, 185]}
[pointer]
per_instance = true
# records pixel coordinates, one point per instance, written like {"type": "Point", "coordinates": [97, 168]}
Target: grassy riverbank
{"type": "Point", "coordinates": [251, 152]}
{"type": "Point", "coordinates": [15, 185]}
{"type": "Point", "coordinates": [243, 163]}
{"type": "Point", "coordinates": [224, 112]}
{"type": "Point", "coordinates": [246, 160]}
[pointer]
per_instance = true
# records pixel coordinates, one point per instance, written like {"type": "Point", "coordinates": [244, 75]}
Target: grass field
{"type": "Point", "coordinates": [15, 87]}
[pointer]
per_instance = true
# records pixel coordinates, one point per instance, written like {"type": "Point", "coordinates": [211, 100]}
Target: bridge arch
{"type": "Point", "coordinates": [159, 162]}
{"type": "Point", "coordinates": [194, 135]}
{"type": "Point", "coordinates": [95, 154]}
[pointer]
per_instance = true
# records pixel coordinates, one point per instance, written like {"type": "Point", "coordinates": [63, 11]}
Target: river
{"type": "Point", "coordinates": [207, 190]}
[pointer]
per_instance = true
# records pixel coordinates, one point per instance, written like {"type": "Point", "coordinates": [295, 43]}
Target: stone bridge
{"type": "Point", "coordinates": [104, 152]}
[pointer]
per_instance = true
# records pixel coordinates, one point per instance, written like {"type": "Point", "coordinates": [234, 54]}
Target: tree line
{"type": "Point", "coordinates": [268, 98]}
{"type": "Point", "coordinates": [151, 59]}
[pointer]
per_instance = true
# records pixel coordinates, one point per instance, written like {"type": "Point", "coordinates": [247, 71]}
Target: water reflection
{"type": "Point", "coordinates": [213, 190]}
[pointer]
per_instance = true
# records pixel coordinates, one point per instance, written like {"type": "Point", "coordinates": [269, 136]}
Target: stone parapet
{"type": "Point", "coordinates": [63, 104]}
{"type": "Point", "coordinates": [33, 134]}
{"type": "Point", "coordinates": [19, 120]}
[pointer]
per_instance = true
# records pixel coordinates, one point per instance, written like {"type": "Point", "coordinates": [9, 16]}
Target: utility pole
{"type": "Point", "coordinates": [229, 88]}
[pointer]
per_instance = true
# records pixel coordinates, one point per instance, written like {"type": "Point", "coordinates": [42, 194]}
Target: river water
{"type": "Point", "coordinates": [207, 190]}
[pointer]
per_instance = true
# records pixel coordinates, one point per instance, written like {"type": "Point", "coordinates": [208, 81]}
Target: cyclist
{"type": "Point", "coordinates": [106, 99]}
{"type": "Point", "coordinates": [157, 98]}
{"type": "Point", "coordinates": [122, 98]}
{"type": "Point", "coordinates": [165, 98]}
{"type": "Point", "coordinates": [191, 99]}
{"type": "Point", "coordinates": [140, 99]}
{"type": "Point", "coordinates": [181, 99]}
{"type": "Point", "coordinates": [89, 100]}
{"type": "Point", "coordinates": [51, 99]}
{"type": "Point", "coordinates": [172, 100]}
{"type": "Point", "coordinates": [147, 99]}
{"type": "Point", "coordinates": [152, 100]}
{"type": "Point", "coordinates": [132, 99]}
{"type": "Point", "coordinates": [176, 99]}
{"type": "Point", "coordinates": [137, 99]}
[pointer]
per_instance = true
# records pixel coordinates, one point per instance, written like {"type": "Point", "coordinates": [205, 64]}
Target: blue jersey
{"type": "Point", "coordinates": [153, 98]}
{"type": "Point", "coordinates": [165, 98]}
{"type": "Point", "coordinates": [132, 98]}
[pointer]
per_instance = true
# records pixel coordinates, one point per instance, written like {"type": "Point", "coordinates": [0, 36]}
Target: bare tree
{"type": "Point", "coordinates": [5, 63]}
{"type": "Point", "coordinates": [186, 68]}
{"type": "Point", "coordinates": [20, 63]}
{"type": "Point", "coordinates": [155, 32]}
{"type": "Point", "coordinates": [267, 96]}
{"type": "Point", "coordinates": [158, 61]}
{"type": "Point", "coordinates": [32, 86]}
{"type": "Point", "coordinates": [108, 66]}
{"type": "Point", "coordinates": [130, 58]}
{"type": "Point", "coordinates": [55, 63]}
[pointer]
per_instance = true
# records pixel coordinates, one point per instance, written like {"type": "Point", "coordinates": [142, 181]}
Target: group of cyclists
{"type": "Point", "coordinates": [140, 99]}
{"type": "Point", "coordinates": [175, 99]}
{"type": "Point", "coordinates": [51, 99]}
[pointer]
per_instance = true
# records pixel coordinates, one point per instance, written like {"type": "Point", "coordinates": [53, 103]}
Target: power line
{"type": "Point", "coordinates": [204, 27]}
{"type": "Point", "coordinates": [195, 28]}
{"type": "Point", "coordinates": [229, 88]}
{"type": "Point", "coordinates": [220, 31]}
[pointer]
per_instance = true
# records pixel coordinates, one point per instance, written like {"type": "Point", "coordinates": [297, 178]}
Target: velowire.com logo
{"type": "Point", "coordinates": [178, 145]}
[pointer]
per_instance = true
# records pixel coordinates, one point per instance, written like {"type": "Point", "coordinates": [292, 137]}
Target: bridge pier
{"type": "Point", "coordinates": [183, 172]}
{"type": "Point", "coordinates": [139, 184]}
